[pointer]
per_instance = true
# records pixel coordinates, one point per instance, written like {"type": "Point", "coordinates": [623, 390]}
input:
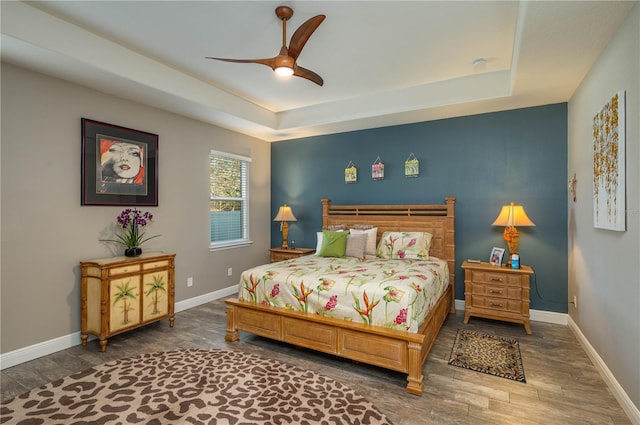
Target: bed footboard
{"type": "Point", "coordinates": [388, 348]}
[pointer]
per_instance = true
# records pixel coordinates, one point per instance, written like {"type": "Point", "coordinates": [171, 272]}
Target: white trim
{"type": "Point", "coordinates": [548, 317]}
{"type": "Point", "coordinates": [31, 352]}
{"type": "Point", "coordinates": [225, 245]}
{"type": "Point", "coordinates": [618, 392]}
{"type": "Point", "coordinates": [45, 348]}
{"type": "Point", "coordinates": [203, 299]}
{"type": "Point", "coordinates": [230, 155]}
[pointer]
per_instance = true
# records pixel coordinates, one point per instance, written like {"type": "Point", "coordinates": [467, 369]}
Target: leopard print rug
{"type": "Point", "coordinates": [488, 354]}
{"type": "Point", "coordinates": [192, 387]}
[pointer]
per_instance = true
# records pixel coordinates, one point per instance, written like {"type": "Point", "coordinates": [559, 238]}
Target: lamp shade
{"type": "Point", "coordinates": [285, 214]}
{"type": "Point", "coordinates": [513, 215]}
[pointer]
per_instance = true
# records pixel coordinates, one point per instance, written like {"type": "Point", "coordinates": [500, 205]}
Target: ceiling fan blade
{"type": "Point", "coordinates": [299, 71]}
{"type": "Point", "coordinates": [270, 62]}
{"type": "Point", "coordinates": [302, 34]}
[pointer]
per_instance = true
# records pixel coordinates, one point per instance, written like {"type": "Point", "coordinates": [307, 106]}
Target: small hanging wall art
{"type": "Point", "coordinates": [411, 166]}
{"type": "Point", "coordinates": [377, 169]}
{"type": "Point", "coordinates": [350, 173]}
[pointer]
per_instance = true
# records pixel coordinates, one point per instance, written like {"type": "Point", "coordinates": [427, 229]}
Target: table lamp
{"type": "Point", "coordinates": [511, 216]}
{"type": "Point", "coordinates": [284, 215]}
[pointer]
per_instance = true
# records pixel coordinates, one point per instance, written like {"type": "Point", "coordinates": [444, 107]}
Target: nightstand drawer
{"type": "Point", "coordinates": [496, 278]}
{"type": "Point", "coordinates": [497, 291]}
{"type": "Point", "coordinates": [502, 304]}
{"type": "Point", "coordinates": [281, 254]}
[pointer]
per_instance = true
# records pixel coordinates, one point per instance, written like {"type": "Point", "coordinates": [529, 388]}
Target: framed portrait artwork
{"type": "Point", "coordinates": [119, 165]}
{"type": "Point", "coordinates": [496, 256]}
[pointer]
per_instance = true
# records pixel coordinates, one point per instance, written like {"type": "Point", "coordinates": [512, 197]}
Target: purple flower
{"type": "Point", "coordinates": [132, 221]}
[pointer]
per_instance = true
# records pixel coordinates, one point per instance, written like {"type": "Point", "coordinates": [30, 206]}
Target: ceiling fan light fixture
{"type": "Point", "coordinates": [284, 64]}
{"type": "Point", "coordinates": [284, 71]}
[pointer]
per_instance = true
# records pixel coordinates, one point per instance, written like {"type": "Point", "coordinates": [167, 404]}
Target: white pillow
{"type": "Point", "coordinates": [370, 247]}
{"type": "Point", "coordinates": [356, 245]}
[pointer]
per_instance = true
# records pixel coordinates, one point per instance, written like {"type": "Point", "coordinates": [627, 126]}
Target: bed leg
{"type": "Point", "coordinates": [232, 330]}
{"type": "Point", "coordinates": [414, 378]}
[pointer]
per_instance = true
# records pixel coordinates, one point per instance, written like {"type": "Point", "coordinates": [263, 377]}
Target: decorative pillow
{"type": "Point", "coordinates": [337, 227]}
{"type": "Point", "coordinates": [363, 226]}
{"type": "Point", "coordinates": [319, 239]}
{"type": "Point", "coordinates": [355, 246]}
{"type": "Point", "coordinates": [370, 247]}
{"type": "Point", "coordinates": [334, 244]}
{"type": "Point", "coordinates": [399, 245]}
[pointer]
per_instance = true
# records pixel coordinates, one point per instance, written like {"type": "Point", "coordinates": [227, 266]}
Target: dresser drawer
{"type": "Point", "coordinates": [496, 278]}
{"type": "Point", "coordinates": [129, 268]}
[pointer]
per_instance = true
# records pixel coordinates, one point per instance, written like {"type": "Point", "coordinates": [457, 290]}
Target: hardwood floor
{"type": "Point", "coordinates": [563, 387]}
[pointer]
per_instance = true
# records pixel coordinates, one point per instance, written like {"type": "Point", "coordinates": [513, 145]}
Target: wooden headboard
{"type": "Point", "coordinates": [437, 219]}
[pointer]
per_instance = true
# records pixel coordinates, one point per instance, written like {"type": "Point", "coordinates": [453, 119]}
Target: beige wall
{"type": "Point", "coordinates": [45, 230]}
{"type": "Point", "coordinates": [604, 266]}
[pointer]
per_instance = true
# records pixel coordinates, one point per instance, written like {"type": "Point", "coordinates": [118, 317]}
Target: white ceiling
{"type": "Point", "coordinates": [383, 62]}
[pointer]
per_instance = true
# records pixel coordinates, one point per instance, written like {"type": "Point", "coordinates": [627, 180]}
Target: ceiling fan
{"type": "Point", "coordinates": [285, 63]}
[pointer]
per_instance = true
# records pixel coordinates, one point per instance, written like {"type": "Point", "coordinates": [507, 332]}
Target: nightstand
{"type": "Point", "coordinates": [495, 292]}
{"type": "Point", "coordinates": [281, 254]}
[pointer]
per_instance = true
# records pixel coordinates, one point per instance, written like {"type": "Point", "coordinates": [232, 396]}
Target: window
{"type": "Point", "coordinates": [229, 199]}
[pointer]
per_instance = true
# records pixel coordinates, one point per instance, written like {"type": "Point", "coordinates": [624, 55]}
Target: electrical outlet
{"type": "Point", "coordinates": [189, 281]}
{"type": "Point", "coordinates": [575, 301]}
{"type": "Point", "coordinates": [229, 271]}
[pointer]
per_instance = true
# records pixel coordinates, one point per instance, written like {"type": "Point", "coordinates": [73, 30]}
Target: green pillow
{"type": "Point", "coordinates": [334, 244]}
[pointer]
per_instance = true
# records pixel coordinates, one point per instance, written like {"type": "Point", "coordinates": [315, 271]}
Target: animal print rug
{"type": "Point", "coordinates": [192, 387]}
{"type": "Point", "coordinates": [488, 354]}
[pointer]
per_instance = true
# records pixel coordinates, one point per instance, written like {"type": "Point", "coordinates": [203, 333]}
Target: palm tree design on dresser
{"type": "Point", "coordinates": [154, 287]}
{"type": "Point", "coordinates": [125, 292]}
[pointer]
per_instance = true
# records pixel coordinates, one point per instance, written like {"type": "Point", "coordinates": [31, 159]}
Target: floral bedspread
{"type": "Point", "coordinates": [395, 294]}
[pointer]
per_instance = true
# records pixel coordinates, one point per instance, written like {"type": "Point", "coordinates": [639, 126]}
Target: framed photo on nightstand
{"type": "Point", "coordinates": [496, 256]}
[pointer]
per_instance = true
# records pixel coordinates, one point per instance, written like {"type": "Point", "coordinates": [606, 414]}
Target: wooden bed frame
{"type": "Point", "coordinates": [392, 349]}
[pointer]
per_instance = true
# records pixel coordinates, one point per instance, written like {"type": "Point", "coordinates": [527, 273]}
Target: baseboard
{"type": "Point", "coordinates": [616, 389]}
{"type": "Point", "coordinates": [45, 348]}
{"type": "Point", "coordinates": [203, 299]}
{"type": "Point", "coordinates": [535, 315]}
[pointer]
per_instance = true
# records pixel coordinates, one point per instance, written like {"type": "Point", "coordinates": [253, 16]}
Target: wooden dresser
{"type": "Point", "coordinates": [121, 293]}
{"type": "Point", "coordinates": [281, 254]}
{"type": "Point", "coordinates": [497, 293]}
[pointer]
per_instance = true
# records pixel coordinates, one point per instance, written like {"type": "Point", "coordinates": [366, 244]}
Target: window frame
{"type": "Point", "coordinates": [244, 199]}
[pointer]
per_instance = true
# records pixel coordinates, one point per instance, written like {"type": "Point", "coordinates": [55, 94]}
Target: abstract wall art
{"type": "Point", "coordinates": [609, 202]}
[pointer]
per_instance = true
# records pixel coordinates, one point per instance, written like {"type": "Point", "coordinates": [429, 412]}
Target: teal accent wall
{"type": "Point", "coordinates": [485, 161]}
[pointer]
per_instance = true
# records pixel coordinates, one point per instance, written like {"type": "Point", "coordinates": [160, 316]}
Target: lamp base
{"type": "Point", "coordinates": [285, 235]}
{"type": "Point", "coordinates": [512, 237]}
